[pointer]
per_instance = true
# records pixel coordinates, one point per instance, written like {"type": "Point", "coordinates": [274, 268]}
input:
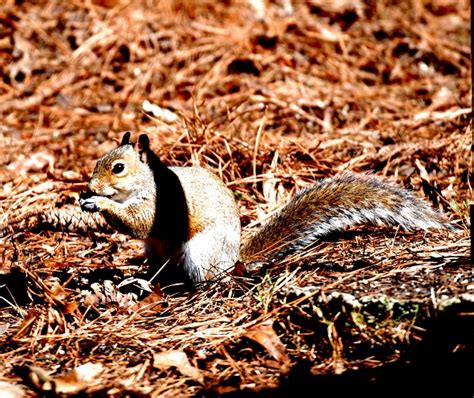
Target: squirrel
{"type": "Point", "coordinates": [190, 223]}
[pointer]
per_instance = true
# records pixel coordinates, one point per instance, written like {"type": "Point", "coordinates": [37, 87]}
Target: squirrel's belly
{"type": "Point", "coordinates": [208, 255]}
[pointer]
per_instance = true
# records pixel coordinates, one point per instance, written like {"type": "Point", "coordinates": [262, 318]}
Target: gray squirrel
{"type": "Point", "coordinates": [189, 220]}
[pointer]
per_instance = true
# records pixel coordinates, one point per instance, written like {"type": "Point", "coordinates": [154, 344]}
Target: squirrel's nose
{"type": "Point", "coordinates": [93, 186]}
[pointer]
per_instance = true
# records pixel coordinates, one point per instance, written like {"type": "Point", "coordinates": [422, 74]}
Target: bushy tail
{"type": "Point", "coordinates": [333, 204]}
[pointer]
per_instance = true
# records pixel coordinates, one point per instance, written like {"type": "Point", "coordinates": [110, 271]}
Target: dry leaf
{"type": "Point", "coordinates": [28, 321]}
{"type": "Point", "coordinates": [264, 335]}
{"type": "Point", "coordinates": [77, 380]}
{"type": "Point", "coordinates": [161, 113]}
{"type": "Point", "coordinates": [259, 9]}
{"type": "Point", "coordinates": [70, 307]}
{"type": "Point", "coordinates": [8, 390]}
{"type": "Point", "coordinates": [449, 193]}
{"type": "Point", "coordinates": [443, 98]}
{"type": "Point", "coordinates": [179, 360]}
{"type": "Point", "coordinates": [28, 54]}
{"type": "Point", "coordinates": [423, 173]}
{"type": "Point", "coordinates": [338, 6]}
{"type": "Point", "coordinates": [35, 377]}
{"type": "Point", "coordinates": [272, 189]}
{"type": "Point", "coordinates": [152, 302]}
{"type": "Point", "coordinates": [58, 291]}
{"type": "Point", "coordinates": [38, 161]}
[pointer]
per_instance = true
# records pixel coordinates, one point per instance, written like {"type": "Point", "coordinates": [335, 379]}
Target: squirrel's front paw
{"type": "Point", "coordinates": [92, 204]}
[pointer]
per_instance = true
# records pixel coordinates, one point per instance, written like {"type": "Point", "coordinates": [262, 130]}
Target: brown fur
{"type": "Point", "coordinates": [189, 218]}
{"type": "Point", "coordinates": [333, 204]}
{"type": "Point", "coordinates": [186, 215]}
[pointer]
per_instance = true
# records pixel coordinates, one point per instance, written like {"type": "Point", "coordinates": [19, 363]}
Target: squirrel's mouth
{"type": "Point", "coordinates": [88, 194]}
{"type": "Point", "coordinates": [118, 196]}
{"type": "Point", "coordinates": [110, 193]}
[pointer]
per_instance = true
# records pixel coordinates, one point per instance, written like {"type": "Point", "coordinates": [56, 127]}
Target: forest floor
{"type": "Point", "coordinates": [270, 95]}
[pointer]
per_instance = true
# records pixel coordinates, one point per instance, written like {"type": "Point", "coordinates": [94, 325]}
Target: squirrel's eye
{"type": "Point", "coordinates": [117, 168]}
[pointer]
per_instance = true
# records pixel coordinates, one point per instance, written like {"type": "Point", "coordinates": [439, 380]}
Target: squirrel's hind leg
{"type": "Point", "coordinates": [211, 254]}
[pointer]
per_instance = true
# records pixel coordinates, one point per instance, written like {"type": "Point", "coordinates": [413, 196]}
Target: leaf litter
{"type": "Point", "coordinates": [271, 96]}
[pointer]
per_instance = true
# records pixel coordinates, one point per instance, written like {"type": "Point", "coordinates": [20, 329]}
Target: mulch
{"type": "Point", "coordinates": [270, 96]}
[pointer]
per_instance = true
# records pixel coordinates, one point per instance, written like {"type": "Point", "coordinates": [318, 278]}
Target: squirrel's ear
{"type": "Point", "coordinates": [143, 147]}
{"type": "Point", "coordinates": [126, 138]}
{"type": "Point", "coordinates": [143, 142]}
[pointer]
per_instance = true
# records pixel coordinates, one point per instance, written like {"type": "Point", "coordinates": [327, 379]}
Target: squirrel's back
{"type": "Point", "coordinates": [332, 204]}
{"type": "Point", "coordinates": [209, 200]}
{"type": "Point", "coordinates": [212, 247]}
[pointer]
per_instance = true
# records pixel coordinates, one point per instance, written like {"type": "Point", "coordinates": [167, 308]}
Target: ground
{"type": "Point", "coordinates": [270, 95]}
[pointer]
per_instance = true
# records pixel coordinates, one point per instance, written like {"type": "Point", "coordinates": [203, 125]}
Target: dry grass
{"type": "Point", "coordinates": [271, 99]}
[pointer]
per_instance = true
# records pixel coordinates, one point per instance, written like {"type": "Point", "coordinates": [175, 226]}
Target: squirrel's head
{"type": "Point", "coordinates": [124, 170]}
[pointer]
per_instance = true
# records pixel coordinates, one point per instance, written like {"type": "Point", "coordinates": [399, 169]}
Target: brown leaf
{"type": "Point", "coordinates": [442, 99]}
{"type": "Point", "coordinates": [58, 291]}
{"type": "Point", "coordinates": [264, 335]}
{"type": "Point", "coordinates": [423, 173]}
{"type": "Point", "coordinates": [8, 390]}
{"type": "Point", "coordinates": [28, 321]}
{"type": "Point", "coordinates": [72, 382]}
{"type": "Point", "coordinates": [35, 377]}
{"type": "Point", "coordinates": [179, 360]}
{"type": "Point", "coordinates": [152, 302]}
{"type": "Point", "coordinates": [70, 307]}
{"type": "Point", "coordinates": [35, 162]}
{"type": "Point", "coordinates": [78, 379]}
